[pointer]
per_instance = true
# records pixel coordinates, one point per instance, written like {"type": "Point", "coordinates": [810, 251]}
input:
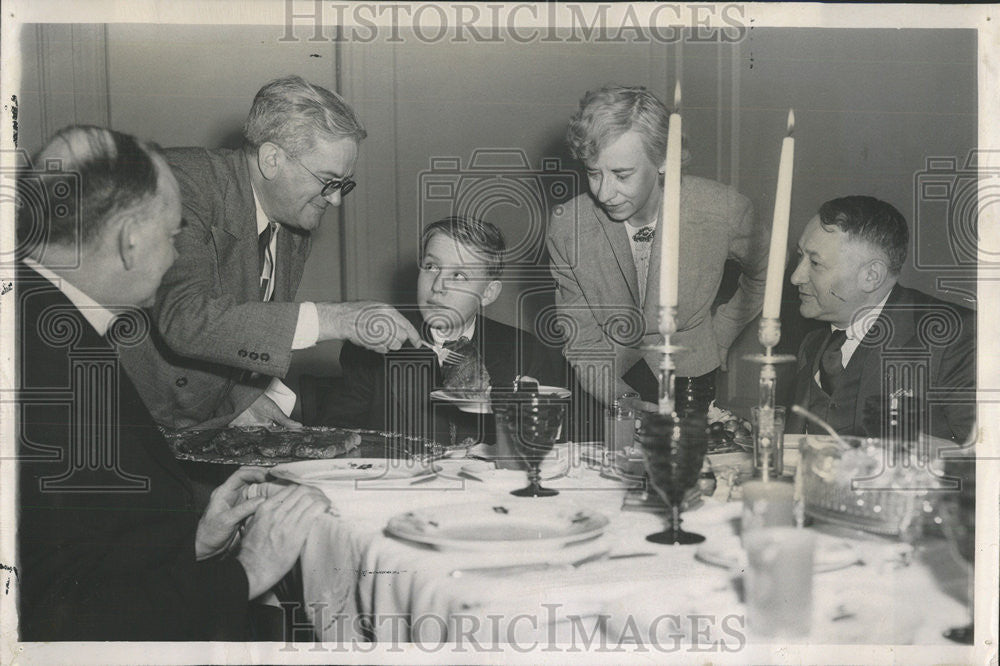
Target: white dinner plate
{"type": "Point", "coordinates": [312, 472]}
{"type": "Point", "coordinates": [499, 525]}
{"type": "Point", "coordinates": [480, 404]}
{"type": "Point", "coordinates": [553, 467]}
{"type": "Point", "coordinates": [831, 553]}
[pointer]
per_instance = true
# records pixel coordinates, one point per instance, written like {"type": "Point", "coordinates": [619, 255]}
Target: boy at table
{"type": "Point", "coordinates": [462, 261]}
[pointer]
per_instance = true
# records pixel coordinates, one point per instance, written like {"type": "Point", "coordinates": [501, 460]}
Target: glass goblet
{"type": "Point", "coordinates": [533, 424]}
{"type": "Point", "coordinates": [958, 513]}
{"type": "Point", "coordinates": [673, 450]}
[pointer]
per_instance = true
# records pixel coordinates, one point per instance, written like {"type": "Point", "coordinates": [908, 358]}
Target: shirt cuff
{"type": "Point", "coordinates": [307, 327]}
{"type": "Point", "coordinates": [283, 396]}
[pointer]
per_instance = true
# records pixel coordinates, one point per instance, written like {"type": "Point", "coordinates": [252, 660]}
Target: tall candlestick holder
{"type": "Point", "coordinates": [766, 445]}
{"type": "Point", "coordinates": [673, 446]}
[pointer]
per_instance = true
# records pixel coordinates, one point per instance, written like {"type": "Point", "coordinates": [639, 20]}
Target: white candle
{"type": "Point", "coordinates": [671, 233]}
{"type": "Point", "coordinates": [779, 226]}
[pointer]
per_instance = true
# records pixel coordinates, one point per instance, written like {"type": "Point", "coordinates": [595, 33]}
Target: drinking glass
{"type": "Point", "coordinates": [673, 451]}
{"type": "Point", "coordinates": [958, 513]}
{"type": "Point", "coordinates": [779, 581]}
{"type": "Point", "coordinates": [533, 423]}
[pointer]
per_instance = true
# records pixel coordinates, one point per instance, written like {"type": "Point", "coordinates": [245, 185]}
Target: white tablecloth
{"type": "Point", "coordinates": [360, 583]}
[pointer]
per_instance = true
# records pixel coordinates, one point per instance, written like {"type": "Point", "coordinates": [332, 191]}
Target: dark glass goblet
{"type": "Point", "coordinates": [673, 451]}
{"type": "Point", "coordinates": [958, 513]}
{"type": "Point", "coordinates": [533, 423]}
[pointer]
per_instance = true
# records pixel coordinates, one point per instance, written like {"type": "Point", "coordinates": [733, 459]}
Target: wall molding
{"type": "Point", "coordinates": [73, 75]}
{"type": "Point", "coordinates": [367, 80]}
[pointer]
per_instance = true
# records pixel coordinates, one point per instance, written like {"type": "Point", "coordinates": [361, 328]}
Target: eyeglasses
{"type": "Point", "coordinates": [343, 185]}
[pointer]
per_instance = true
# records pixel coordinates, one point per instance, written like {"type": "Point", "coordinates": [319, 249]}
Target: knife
{"type": "Point", "coordinates": [503, 570]}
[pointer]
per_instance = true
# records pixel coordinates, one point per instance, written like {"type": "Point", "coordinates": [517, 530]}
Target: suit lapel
{"type": "Point", "coordinates": [896, 318]}
{"type": "Point", "coordinates": [293, 247]}
{"type": "Point", "coordinates": [236, 236]}
{"type": "Point", "coordinates": [616, 236]}
{"type": "Point", "coordinates": [651, 306]}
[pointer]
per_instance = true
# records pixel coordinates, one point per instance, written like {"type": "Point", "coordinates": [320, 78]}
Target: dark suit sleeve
{"type": "Point", "coordinates": [88, 586]}
{"type": "Point", "coordinates": [955, 419]}
{"type": "Point", "coordinates": [118, 565]}
{"type": "Point", "coordinates": [351, 401]}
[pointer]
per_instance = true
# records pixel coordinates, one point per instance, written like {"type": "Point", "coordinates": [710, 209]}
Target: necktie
{"type": "Point", "coordinates": [266, 262]}
{"type": "Point", "coordinates": [831, 362]}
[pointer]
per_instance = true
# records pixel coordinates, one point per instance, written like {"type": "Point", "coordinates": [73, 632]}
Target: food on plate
{"type": "Point", "coordinates": [727, 432]}
{"type": "Point", "coordinates": [469, 377]}
{"type": "Point", "coordinates": [258, 445]}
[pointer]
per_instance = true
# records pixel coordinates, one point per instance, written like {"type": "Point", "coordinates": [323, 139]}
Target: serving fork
{"type": "Point", "coordinates": [445, 356]}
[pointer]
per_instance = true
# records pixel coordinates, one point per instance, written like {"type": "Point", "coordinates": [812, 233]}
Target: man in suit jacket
{"type": "Point", "coordinates": [883, 338]}
{"type": "Point", "coordinates": [605, 254]}
{"type": "Point", "coordinates": [461, 265]}
{"type": "Point", "coordinates": [110, 543]}
{"type": "Point", "coordinates": [225, 312]}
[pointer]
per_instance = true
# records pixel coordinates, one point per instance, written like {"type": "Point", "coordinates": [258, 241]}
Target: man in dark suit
{"type": "Point", "coordinates": [110, 543]}
{"type": "Point", "coordinates": [225, 312]}
{"type": "Point", "coordinates": [461, 265]}
{"type": "Point", "coordinates": [885, 343]}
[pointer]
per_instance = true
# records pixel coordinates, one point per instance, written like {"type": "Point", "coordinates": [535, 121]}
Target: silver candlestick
{"type": "Point", "coordinates": [769, 334]}
{"type": "Point", "coordinates": [667, 398]}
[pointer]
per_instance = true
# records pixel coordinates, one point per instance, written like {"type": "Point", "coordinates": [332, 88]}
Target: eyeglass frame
{"type": "Point", "coordinates": [343, 185]}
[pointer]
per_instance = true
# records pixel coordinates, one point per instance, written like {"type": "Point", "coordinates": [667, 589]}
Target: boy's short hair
{"type": "Point", "coordinates": [484, 238]}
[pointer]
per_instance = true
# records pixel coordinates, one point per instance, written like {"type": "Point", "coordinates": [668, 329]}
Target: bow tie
{"type": "Point", "coordinates": [644, 235]}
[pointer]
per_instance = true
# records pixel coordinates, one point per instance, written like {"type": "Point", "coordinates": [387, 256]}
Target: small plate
{"type": "Point", "coordinates": [313, 472]}
{"type": "Point", "coordinates": [466, 401]}
{"type": "Point", "coordinates": [830, 554]}
{"type": "Point", "coordinates": [499, 525]}
{"type": "Point", "coordinates": [555, 466]}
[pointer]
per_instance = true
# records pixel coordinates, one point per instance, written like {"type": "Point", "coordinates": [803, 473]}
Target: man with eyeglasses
{"type": "Point", "coordinates": [226, 318]}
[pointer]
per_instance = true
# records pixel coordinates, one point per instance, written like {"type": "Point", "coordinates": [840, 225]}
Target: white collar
{"type": "Point", "coordinates": [262, 219]}
{"type": "Point", "coordinates": [96, 314]}
{"type": "Point", "coordinates": [864, 319]}
{"type": "Point", "coordinates": [440, 338]}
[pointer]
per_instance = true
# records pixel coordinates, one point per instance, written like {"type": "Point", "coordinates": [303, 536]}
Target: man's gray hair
{"type": "Point", "coordinates": [292, 113]}
{"type": "Point", "coordinates": [115, 172]}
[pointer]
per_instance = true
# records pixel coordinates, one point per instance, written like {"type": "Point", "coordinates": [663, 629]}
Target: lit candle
{"type": "Point", "coordinates": [671, 232]}
{"type": "Point", "coordinates": [779, 226]}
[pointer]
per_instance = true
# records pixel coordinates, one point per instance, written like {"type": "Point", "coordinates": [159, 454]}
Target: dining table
{"type": "Point", "coordinates": [364, 582]}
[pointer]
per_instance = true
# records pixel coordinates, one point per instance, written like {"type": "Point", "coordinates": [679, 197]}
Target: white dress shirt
{"type": "Point", "coordinates": [306, 327]}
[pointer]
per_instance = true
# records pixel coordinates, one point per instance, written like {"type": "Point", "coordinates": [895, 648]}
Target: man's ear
{"type": "Point", "coordinates": [269, 159]}
{"type": "Point", "coordinates": [128, 241]}
{"type": "Point", "coordinates": [873, 275]}
{"type": "Point", "coordinates": [492, 292]}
